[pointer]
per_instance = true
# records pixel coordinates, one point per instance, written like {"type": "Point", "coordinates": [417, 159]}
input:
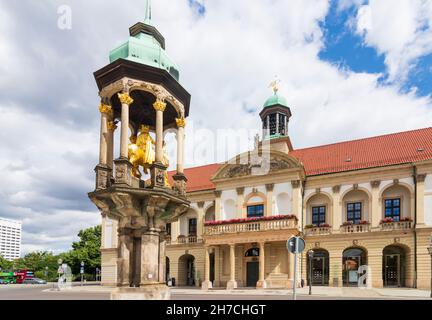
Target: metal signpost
{"type": "Point", "coordinates": [82, 272]}
{"type": "Point", "coordinates": [310, 255]}
{"type": "Point", "coordinates": [295, 245]}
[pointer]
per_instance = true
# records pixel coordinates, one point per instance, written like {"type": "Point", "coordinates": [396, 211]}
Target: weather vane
{"type": "Point", "coordinates": [275, 84]}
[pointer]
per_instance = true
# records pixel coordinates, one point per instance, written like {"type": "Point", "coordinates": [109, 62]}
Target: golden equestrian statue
{"type": "Point", "coordinates": [141, 151]}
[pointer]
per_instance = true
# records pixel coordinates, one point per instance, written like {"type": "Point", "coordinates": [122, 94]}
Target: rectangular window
{"type": "Point", "coordinates": [392, 209]}
{"type": "Point", "coordinates": [255, 211]}
{"type": "Point", "coordinates": [192, 227]}
{"type": "Point", "coordinates": [354, 212]}
{"type": "Point", "coordinates": [168, 229]}
{"type": "Point", "coordinates": [318, 215]}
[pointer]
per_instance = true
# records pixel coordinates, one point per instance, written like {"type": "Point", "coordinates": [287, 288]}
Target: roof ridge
{"type": "Point", "coordinates": [362, 139]}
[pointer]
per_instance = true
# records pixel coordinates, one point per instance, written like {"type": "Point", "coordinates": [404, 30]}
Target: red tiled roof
{"type": "Point", "coordinates": [198, 177]}
{"type": "Point", "coordinates": [390, 149]}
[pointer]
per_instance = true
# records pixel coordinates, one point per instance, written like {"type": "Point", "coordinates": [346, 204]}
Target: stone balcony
{"type": "Point", "coordinates": [318, 231]}
{"type": "Point", "coordinates": [191, 239]}
{"type": "Point", "coordinates": [396, 225]}
{"type": "Point", "coordinates": [271, 223]}
{"type": "Point", "coordinates": [355, 228]}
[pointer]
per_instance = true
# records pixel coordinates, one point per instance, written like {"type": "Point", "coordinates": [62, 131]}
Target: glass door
{"type": "Point", "coordinates": [392, 270]}
{"type": "Point", "coordinates": [351, 265]}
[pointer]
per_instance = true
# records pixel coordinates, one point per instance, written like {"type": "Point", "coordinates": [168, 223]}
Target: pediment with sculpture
{"type": "Point", "coordinates": [253, 164]}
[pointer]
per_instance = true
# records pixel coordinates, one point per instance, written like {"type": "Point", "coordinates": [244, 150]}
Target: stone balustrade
{"type": "Point", "coordinates": [395, 225]}
{"type": "Point", "coordinates": [318, 231]}
{"type": "Point", "coordinates": [191, 239]}
{"type": "Point", "coordinates": [250, 226]}
{"type": "Point", "coordinates": [355, 228]}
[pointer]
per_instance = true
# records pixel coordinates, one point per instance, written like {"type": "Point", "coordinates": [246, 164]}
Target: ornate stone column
{"type": "Point", "coordinates": [240, 201]}
{"type": "Point", "coordinates": [200, 220]}
{"type": "Point", "coordinates": [261, 282]}
{"type": "Point", "coordinates": [297, 200]}
{"type": "Point", "coordinates": [376, 207]}
{"type": "Point", "coordinates": [420, 198]}
{"type": "Point", "coordinates": [123, 172]}
{"type": "Point", "coordinates": [337, 209]}
{"type": "Point", "coordinates": [179, 178]}
{"type": "Point", "coordinates": [160, 107]}
{"type": "Point", "coordinates": [232, 283]}
{"type": "Point", "coordinates": [110, 156]}
{"type": "Point", "coordinates": [158, 169]}
{"type": "Point", "coordinates": [123, 262]}
{"type": "Point", "coordinates": [269, 199]}
{"type": "Point", "coordinates": [290, 269]}
{"type": "Point", "coordinates": [150, 248]}
{"type": "Point", "coordinates": [218, 213]}
{"type": "Point", "coordinates": [103, 171]}
{"type": "Point", "coordinates": [125, 101]}
{"type": "Point", "coordinates": [206, 283]}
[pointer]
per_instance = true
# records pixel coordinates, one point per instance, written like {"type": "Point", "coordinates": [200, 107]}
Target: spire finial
{"type": "Point", "coordinates": [275, 84]}
{"type": "Point", "coordinates": [147, 19]}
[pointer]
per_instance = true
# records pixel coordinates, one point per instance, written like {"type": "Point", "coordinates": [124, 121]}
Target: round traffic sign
{"type": "Point", "coordinates": [291, 244]}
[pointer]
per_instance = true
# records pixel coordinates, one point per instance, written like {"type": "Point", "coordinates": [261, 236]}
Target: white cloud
{"type": "Point", "coordinates": [48, 101]}
{"type": "Point", "coordinates": [398, 29]}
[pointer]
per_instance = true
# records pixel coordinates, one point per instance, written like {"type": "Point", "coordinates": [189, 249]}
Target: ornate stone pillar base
{"type": "Point", "coordinates": [290, 282]}
{"type": "Point", "coordinates": [206, 285]}
{"type": "Point", "coordinates": [231, 285]}
{"type": "Point", "coordinates": [123, 172]}
{"type": "Point", "coordinates": [103, 177]}
{"type": "Point", "coordinates": [157, 171]}
{"type": "Point", "coordinates": [180, 183]}
{"type": "Point", "coordinates": [148, 292]}
{"type": "Point", "coordinates": [262, 284]}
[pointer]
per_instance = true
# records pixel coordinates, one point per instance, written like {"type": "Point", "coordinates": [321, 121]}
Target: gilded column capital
{"type": "Point", "coordinates": [181, 122]}
{"type": "Point", "coordinates": [125, 98]}
{"type": "Point", "coordinates": [159, 105]}
{"type": "Point", "coordinates": [112, 125]}
{"type": "Point", "coordinates": [105, 108]}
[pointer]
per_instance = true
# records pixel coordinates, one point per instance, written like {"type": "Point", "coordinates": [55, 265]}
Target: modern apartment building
{"type": "Point", "coordinates": [10, 239]}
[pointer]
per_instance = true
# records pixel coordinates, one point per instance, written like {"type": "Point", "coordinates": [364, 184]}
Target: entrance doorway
{"type": "Point", "coordinates": [320, 268]}
{"type": "Point", "coordinates": [212, 267]}
{"type": "Point", "coordinates": [186, 271]}
{"type": "Point", "coordinates": [252, 273]}
{"type": "Point", "coordinates": [394, 266]}
{"type": "Point", "coordinates": [352, 259]}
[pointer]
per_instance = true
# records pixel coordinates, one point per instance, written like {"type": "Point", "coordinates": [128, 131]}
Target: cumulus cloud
{"type": "Point", "coordinates": [398, 29]}
{"type": "Point", "coordinates": [227, 56]}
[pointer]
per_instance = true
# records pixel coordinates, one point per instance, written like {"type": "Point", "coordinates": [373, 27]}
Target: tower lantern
{"type": "Point", "coordinates": [141, 94]}
{"type": "Point", "coordinates": [275, 117]}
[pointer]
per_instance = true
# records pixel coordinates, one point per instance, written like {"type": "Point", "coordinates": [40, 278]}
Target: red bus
{"type": "Point", "coordinates": [21, 275]}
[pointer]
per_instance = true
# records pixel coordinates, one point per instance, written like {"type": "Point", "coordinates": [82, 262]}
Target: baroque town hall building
{"type": "Point", "coordinates": [361, 202]}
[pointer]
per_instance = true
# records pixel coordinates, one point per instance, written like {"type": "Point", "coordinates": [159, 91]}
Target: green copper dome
{"type": "Point", "coordinates": [275, 99]}
{"type": "Point", "coordinates": [146, 46]}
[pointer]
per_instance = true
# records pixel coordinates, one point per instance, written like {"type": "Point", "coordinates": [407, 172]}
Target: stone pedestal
{"type": "Point", "coordinates": [146, 292]}
{"type": "Point", "coordinates": [205, 285]}
{"type": "Point", "coordinates": [103, 177]}
{"type": "Point", "coordinates": [231, 285]}
{"type": "Point", "coordinates": [123, 172]}
{"type": "Point", "coordinates": [157, 172]}
{"type": "Point", "coordinates": [180, 183]}
{"type": "Point", "coordinates": [262, 284]}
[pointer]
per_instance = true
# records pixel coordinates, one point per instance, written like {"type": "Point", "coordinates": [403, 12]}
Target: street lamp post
{"type": "Point", "coordinates": [430, 253]}
{"type": "Point", "coordinates": [310, 255]}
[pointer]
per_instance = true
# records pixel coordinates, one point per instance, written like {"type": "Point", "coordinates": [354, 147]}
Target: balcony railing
{"type": "Point", "coordinates": [266, 224]}
{"type": "Point", "coordinates": [395, 225]}
{"type": "Point", "coordinates": [318, 231]}
{"type": "Point", "coordinates": [355, 228]}
{"type": "Point", "coordinates": [183, 240]}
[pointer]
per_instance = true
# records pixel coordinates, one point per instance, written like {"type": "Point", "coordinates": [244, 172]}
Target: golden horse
{"type": "Point", "coordinates": [141, 151]}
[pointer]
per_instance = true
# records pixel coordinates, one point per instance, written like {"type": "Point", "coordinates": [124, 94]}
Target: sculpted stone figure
{"type": "Point", "coordinates": [141, 151]}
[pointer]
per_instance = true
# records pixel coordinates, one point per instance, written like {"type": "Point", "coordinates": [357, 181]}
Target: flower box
{"type": "Point", "coordinates": [246, 220]}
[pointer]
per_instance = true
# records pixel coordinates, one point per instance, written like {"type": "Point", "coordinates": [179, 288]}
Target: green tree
{"type": "Point", "coordinates": [87, 250]}
{"type": "Point", "coordinates": [5, 265]}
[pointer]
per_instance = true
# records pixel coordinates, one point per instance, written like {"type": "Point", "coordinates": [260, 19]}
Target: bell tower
{"type": "Point", "coordinates": [275, 117]}
{"type": "Point", "coordinates": [140, 92]}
